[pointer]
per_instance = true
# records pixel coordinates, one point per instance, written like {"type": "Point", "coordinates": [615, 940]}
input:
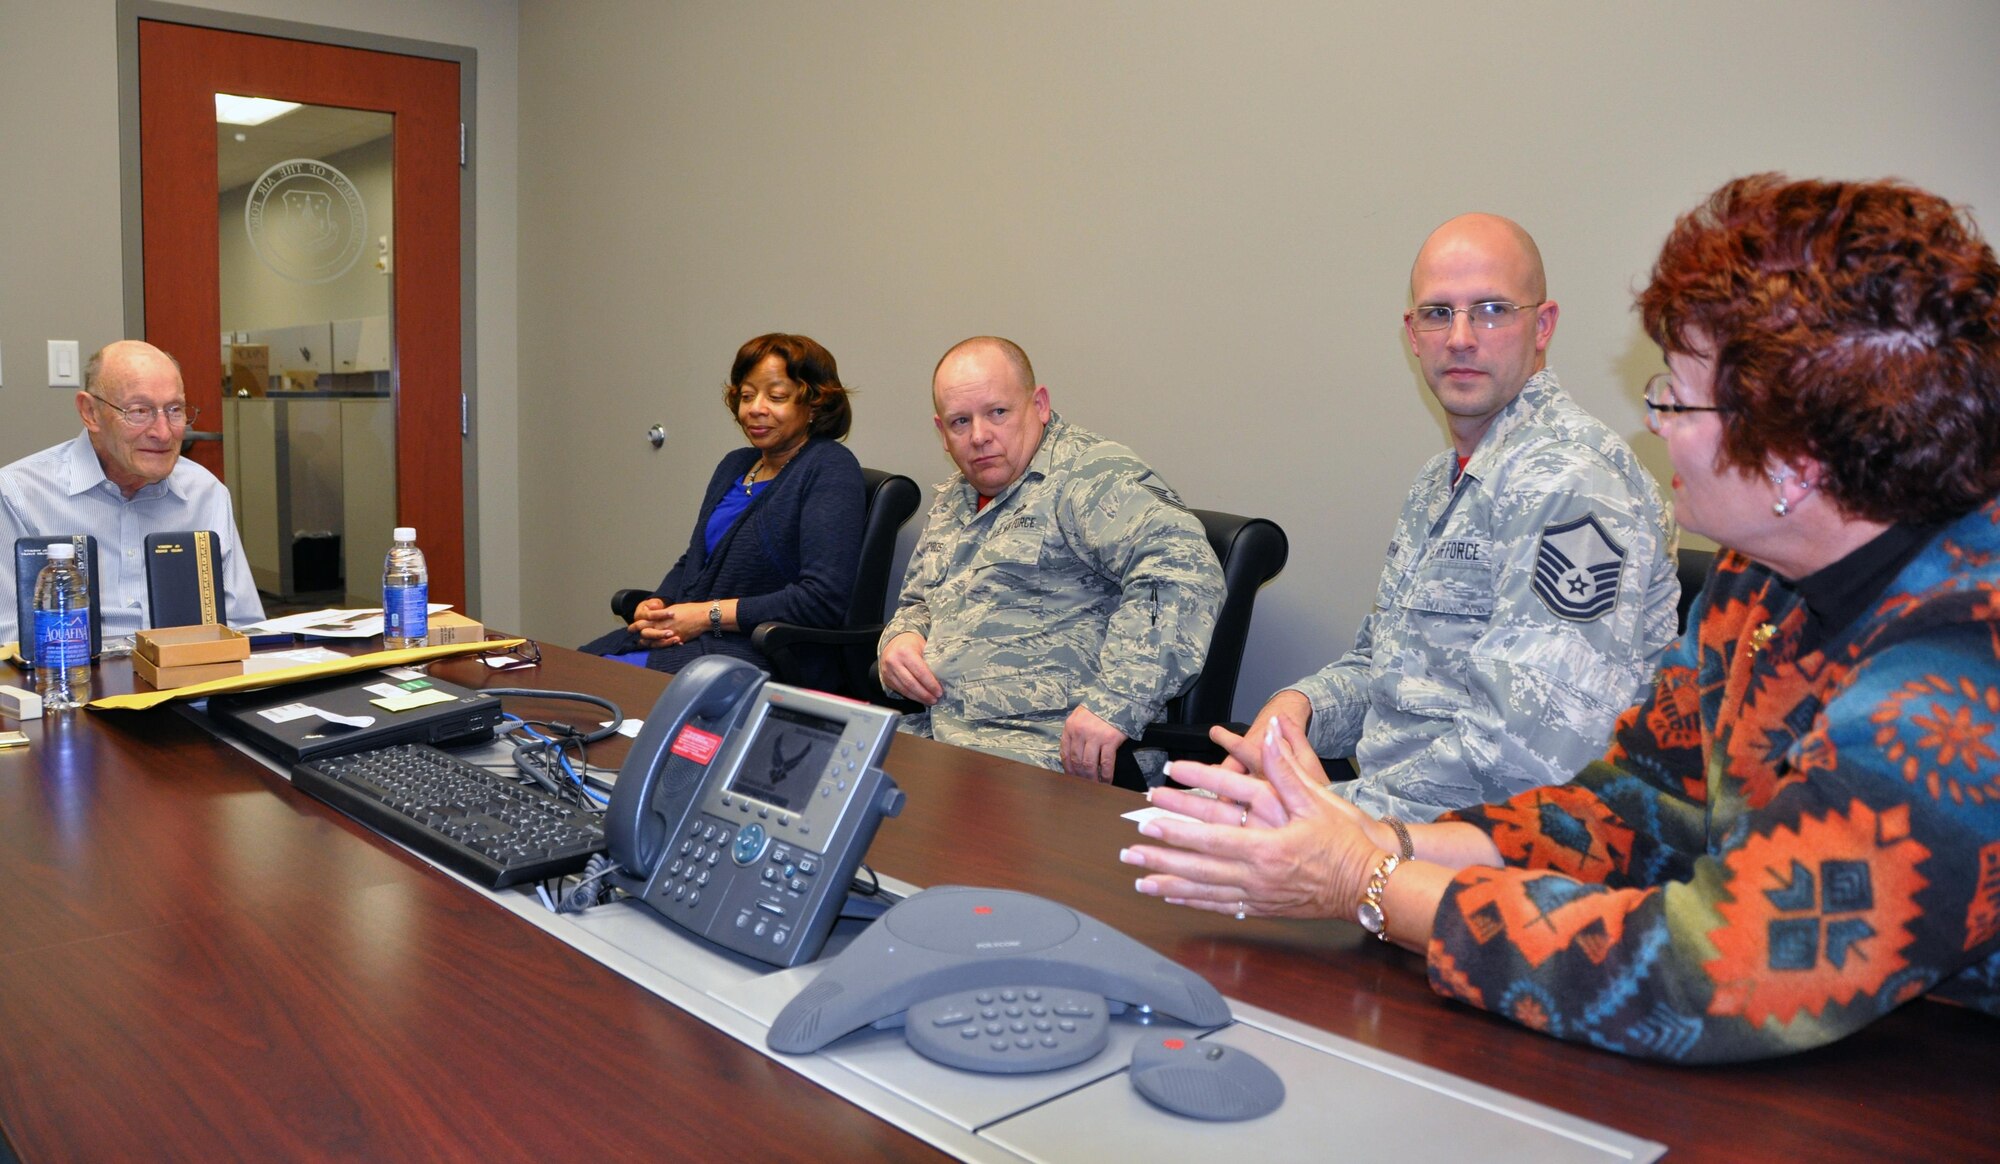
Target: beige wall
{"type": "Point", "coordinates": [59, 244]}
{"type": "Point", "coordinates": [1197, 217]}
{"type": "Point", "coordinates": [60, 275]}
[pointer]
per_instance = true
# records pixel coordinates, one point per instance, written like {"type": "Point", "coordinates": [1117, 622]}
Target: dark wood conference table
{"type": "Point", "coordinates": [198, 962]}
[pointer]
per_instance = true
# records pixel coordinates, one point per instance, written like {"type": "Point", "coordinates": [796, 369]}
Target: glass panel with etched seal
{"type": "Point", "coordinates": [308, 424]}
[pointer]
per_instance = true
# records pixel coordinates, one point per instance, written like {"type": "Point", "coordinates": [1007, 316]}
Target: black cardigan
{"type": "Point", "coordinates": [790, 557]}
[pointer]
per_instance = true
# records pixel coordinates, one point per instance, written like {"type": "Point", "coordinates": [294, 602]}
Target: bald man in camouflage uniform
{"type": "Point", "coordinates": [1530, 587]}
{"type": "Point", "coordinates": [1060, 594]}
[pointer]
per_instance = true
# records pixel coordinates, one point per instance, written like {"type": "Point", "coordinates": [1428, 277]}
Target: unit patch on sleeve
{"type": "Point", "coordinates": [1577, 570]}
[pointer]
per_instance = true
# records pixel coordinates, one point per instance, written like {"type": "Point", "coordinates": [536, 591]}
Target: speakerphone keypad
{"type": "Point", "coordinates": [1012, 1029]}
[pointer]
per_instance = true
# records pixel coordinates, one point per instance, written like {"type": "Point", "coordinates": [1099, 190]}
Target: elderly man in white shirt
{"type": "Point", "coordinates": [121, 479]}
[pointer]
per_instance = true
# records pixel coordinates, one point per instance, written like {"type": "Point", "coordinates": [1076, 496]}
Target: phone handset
{"type": "Point", "coordinates": [662, 774]}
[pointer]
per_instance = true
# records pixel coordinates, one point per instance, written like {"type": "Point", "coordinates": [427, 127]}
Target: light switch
{"type": "Point", "coordinates": [63, 369]}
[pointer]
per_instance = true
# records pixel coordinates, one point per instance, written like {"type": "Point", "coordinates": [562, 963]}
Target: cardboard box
{"type": "Point", "coordinates": [163, 678]}
{"type": "Point", "coordinates": [249, 368]}
{"type": "Point", "coordinates": [449, 626]}
{"type": "Point", "coordinates": [167, 648]}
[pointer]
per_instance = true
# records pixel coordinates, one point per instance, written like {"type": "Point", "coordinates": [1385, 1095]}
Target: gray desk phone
{"type": "Point", "coordinates": [745, 806]}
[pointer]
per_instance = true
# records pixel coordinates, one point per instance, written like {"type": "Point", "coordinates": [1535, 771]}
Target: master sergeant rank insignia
{"type": "Point", "coordinates": [1577, 569]}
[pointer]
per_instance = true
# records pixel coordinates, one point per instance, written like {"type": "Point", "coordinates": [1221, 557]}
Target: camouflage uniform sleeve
{"type": "Point", "coordinates": [1547, 678]}
{"type": "Point", "coordinates": [1338, 691]}
{"type": "Point", "coordinates": [1339, 695]}
{"type": "Point", "coordinates": [926, 568]}
{"type": "Point", "coordinates": [1129, 525]}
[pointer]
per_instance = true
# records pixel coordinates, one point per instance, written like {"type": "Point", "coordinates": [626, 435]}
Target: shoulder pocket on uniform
{"type": "Point", "coordinates": [1011, 558]}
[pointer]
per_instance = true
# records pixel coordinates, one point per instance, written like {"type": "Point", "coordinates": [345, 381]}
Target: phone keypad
{"type": "Point", "coordinates": [689, 873]}
{"type": "Point", "coordinates": [1012, 1030]}
{"type": "Point", "coordinates": [783, 882]}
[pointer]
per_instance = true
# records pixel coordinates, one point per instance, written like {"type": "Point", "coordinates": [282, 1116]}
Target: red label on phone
{"type": "Point", "coordinates": [695, 744]}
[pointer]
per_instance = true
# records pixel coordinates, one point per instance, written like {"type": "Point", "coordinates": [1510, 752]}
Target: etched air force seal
{"type": "Point", "coordinates": [1577, 570]}
{"type": "Point", "coordinates": [306, 221]}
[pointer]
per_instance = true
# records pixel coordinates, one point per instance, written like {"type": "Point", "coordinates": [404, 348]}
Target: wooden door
{"type": "Point", "coordinates": [181, 68]}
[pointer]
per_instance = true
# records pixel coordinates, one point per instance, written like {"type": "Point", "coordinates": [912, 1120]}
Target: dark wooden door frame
{"type": "Point", "coordinates": [460, 496]}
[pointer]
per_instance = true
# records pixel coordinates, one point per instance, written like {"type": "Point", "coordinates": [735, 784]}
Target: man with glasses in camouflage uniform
{"type": "Point", "coordinates": [1530, 587]}
{"type": "Point", "coordinates": [121, 479]}
{"type": "Point", "coordinates": [1060, 593]}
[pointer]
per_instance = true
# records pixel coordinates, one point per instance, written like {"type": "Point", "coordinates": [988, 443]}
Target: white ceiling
{"type": "Point", "coordinates": [310, 131]}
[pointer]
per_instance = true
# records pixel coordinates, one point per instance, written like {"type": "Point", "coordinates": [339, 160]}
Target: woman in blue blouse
{"type": "Point", "coordinates": [779, 533]}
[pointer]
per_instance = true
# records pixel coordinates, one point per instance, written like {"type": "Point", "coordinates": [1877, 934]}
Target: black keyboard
{"type": "Point", "coordinates": [482, 824]}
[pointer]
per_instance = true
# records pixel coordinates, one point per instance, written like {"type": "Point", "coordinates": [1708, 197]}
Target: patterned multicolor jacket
{"type": "Point", "coordinates": [1777, 849]}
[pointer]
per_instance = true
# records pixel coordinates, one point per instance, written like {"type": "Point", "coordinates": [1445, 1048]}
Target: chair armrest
{"type": "Point", "coordinates": [626, 602]}
{"type": "Point", "coordinates": [1186, 741]}
{"type": "Point", "coordinates": [771, 637]}
{"type": "Point", "coordinates": [777, 640]}
{"type": "Point", "coordinates": [1180, 741]}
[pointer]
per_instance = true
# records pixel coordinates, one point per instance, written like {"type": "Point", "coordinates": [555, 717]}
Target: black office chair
{"type": "Point", "coordinates": [1252, 551]}
{"type": "Point", "coordinates": [1693, 567]}
{"type": "Point", "coordinates": [891, 499]}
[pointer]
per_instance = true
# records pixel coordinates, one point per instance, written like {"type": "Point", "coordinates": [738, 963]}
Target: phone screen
{"type": "Point", "coordinates": [783, 763]}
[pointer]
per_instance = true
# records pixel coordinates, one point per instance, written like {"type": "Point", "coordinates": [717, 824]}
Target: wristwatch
{"type": "Point", "coordinates": [1370, 914]}
{"type": "Point", "coordinates": [715, 615]}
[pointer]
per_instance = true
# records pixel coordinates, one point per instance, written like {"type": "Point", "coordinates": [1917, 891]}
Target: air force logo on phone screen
{"type": "Point", "coordinates": [1577, 568]}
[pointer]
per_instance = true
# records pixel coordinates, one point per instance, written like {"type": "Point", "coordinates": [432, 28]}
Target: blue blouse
{"type": "Point", "coordinates": [727, 509]}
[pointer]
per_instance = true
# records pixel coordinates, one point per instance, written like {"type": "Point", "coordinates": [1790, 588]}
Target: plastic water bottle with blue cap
{"type": "Point", "coordinates": [406, 594]}
{"type": "Point", "coordinates": [62, 631]}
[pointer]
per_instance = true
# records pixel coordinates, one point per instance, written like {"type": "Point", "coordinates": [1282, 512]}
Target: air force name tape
{"type": "Point", "coordinates": [1577, 569]}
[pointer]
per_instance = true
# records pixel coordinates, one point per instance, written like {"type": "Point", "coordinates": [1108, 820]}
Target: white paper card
{"type": "Point", "coordinates": [361, 623]}
{"type": "Point", "coordinates": [292, 711]}
{"type": "Point", "coordinates": [279, 660]}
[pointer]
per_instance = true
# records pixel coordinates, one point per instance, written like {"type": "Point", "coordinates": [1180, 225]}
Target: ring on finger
{"type": "Point", "coordinates": [1242, 911]}
{"type": "Point", "coordinates": [1243, 815]}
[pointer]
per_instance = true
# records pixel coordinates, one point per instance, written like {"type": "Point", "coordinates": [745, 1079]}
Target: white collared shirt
{"type": "Point", "coordinates": [63, 490]}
